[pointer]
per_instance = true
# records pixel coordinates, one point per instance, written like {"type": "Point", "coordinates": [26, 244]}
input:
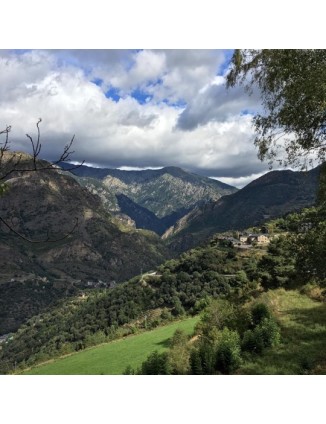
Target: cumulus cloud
{"type": "Point", "coordinates": [200, 126]}
{"type": "Point", "coordinates": [215, 103]}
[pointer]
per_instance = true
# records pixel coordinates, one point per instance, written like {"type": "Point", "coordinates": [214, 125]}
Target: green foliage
{"type": "Point", "coordinates": [311, 247]}
{"type": "Point", "coordinates": [205, 360]}
{"type": "Point", "coordinates": [179, 353]}
{"type": "Point", "coordinates": [196, 363]}
{"type": "Point", "coordinates": [265, 334]}
{"type": "Point", "coordinates": [252, 341]}
{"type": "Point", "coordinates": [293, 93]}
{"type": "Point", "coordinates": [259, 312]}
{"type": "Point", "coordinates": [219, 314]}
{"type": "Point", "coordinates": [155, 364]}
{"type": "Point", "coordinates": [228, 354]}
{"type": "Point", "coordinates": [277, 269]}
{"type": "Point", "coordinates": [179, 338]}
{"type": "Point", "coordinates": [270, 332]}
{"type": "Point", "coordinates": [129, 371]}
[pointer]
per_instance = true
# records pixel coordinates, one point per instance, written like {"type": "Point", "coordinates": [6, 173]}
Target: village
{"type": "Point", "coordinates": [247, 240]}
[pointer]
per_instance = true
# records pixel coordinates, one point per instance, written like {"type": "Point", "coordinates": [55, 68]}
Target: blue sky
{"type": "Point", "coordinates": [133, 108]}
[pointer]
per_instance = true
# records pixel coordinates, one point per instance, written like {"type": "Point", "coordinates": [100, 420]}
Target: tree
{"type": "Point", "coordinates": [220, 313]}
{"type": "Point", "coordinates": [292, 85]}
{"type": "Point", "coordinates": [155, 364]}
{"type": "Point", "coordinates": [228, 354]}
{"type": "Point", "coordinates": [18, 163]}
{"type": "Point", "coordinates": [179, 353]}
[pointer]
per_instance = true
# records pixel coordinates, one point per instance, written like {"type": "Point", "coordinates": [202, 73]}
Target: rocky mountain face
{"type": "Point", "coordinates": [45, 205]}
{"type": "Point", "coordinates": [154, 199]}
{"type": "Point", "coordinates": [274, 194]}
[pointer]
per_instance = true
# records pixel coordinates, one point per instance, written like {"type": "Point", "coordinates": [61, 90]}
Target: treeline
{"type": "Point", "coordinates": [226, 335]}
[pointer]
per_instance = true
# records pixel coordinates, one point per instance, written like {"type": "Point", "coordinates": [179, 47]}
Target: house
{"type": "Point", "coordinates": [260, 239]}
{"type": "Point", "coordinates": [243, 238]}
{"type": "Point", "coordinates": [263, 239]}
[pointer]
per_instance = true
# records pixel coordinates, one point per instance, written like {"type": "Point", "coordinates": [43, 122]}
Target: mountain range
{"type": "Point", "coordinates": [154, 199]}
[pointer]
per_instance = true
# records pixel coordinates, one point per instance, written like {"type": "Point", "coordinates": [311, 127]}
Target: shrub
{"type": "Point", "coordinates": [266, 334]}
{"type": "Point", "coordinates": [270, 332]}
{"type": "Point", "coordinates": [259, 312]}
{"type": "Point", "coordinates": [253, 341]}
{"type": "Point", "coordinates": [228, 355]}
{"type": "Point", "coordinates": [155, 364]}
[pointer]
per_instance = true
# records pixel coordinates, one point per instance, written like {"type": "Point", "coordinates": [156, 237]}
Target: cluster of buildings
{"type": "Point", "coordinates": [259, 239]}
{"type": "Point", "coordinates": [247, 240]}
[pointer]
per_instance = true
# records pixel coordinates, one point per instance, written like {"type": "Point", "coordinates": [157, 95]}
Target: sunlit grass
{"type": "Point", "coordinates": [303, 329]}
{"type": "Point", "coordinates": [114, 357]}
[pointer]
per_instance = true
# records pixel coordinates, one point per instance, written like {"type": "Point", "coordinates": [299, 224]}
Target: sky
{"type": "Point", "coordinates": [133, 109]}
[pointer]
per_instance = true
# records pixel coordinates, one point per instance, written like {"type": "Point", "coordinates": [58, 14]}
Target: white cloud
{"type": "Point", "coordinates": [213, 138]}
{"type": "Point", "coordinates": [239, 182]}
{"type": "Point", "coordinates": [216, 103]}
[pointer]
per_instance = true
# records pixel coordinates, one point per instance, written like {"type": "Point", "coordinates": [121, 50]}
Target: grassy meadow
{"type": "Point", "coordinates": [114, 357]}
{"type": "Point", "coordinates": [303, 337]}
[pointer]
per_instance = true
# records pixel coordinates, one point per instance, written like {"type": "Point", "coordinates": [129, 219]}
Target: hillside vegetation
{"type": "Point", "coordinates": [114, 357]}
{"type": "Point", "coordinates": [274, 194]}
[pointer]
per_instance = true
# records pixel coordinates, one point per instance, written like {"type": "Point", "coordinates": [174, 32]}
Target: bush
{"type": "Point", "coordinates": [166, 315]}
{"type": "Point", "coordinates": [228, 355]}
{"type": "Point", "coordinates": [266, 334]}
{"type": "Point", "coordinates": [270, 332]}
{"type": "Point", "coordinates": [259, 312]}
{"type": "Point", "coordinates": [155, 364]}
{"type": "Point", "coordinates": [253, 341]}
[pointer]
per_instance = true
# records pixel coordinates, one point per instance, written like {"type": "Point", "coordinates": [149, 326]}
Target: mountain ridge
{"type": "Point", "coordinates": [273, 194]}
{"type": "Point", "coordinates": [168, 193]}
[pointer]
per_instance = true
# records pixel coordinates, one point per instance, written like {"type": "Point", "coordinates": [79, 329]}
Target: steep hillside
{"type": "Point", "coordinates": [272, 195]}
{"type": "Point", "coordinates": [168, 193]}
{"type": "Point", "coordinates": [44, 206]}
{"type": "Point", "coordinates": [141, 303]}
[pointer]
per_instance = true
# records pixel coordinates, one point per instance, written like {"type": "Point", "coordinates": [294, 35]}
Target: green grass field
{"type": "Point", "coordinates": [303, 337]}
{"type": "Point", "coordinates": [114, 357]}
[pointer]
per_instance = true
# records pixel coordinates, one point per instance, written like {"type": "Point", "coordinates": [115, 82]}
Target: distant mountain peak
{"type": "Point", "coordinates": [159, 196]}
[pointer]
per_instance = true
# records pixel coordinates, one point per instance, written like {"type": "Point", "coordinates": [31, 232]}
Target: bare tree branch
{"type": "Point", "coordinates": [13, 163]}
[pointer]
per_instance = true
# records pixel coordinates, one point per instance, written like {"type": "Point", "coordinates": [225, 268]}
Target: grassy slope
{"type": "Point", "coordinates": [303, 331]}
{"type": "Point", "coordinates": [114, 357]}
